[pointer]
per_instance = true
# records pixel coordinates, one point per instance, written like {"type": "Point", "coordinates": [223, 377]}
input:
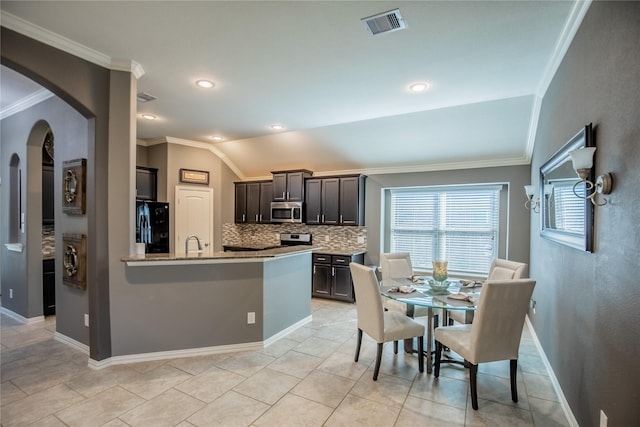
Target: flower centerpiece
{"type": "Point", "coordinates": [440, 276]}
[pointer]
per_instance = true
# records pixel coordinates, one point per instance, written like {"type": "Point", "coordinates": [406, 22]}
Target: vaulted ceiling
{"type": "Point", "coordinates": [340, 92]}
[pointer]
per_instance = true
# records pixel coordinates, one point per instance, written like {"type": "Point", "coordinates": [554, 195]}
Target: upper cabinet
{"type": "Point", "coordinates": [253, 202]}
{"type": "Point", "coordinates": [146, 183]}
{"type": "Point", "coordinates": [288, 186]}
{"type": "Point", "coordinates": [335, 200]}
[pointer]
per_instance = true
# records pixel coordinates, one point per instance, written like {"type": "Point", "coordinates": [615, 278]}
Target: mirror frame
{"type": "Point", "coordinates": [584, 242]}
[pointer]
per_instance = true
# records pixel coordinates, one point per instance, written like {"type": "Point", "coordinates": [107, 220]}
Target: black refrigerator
{"type": "Point", "coordinates": [152, 225]}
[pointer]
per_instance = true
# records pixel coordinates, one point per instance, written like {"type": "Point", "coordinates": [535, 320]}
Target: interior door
{"type": "Point", "coordinates": [194, 216]}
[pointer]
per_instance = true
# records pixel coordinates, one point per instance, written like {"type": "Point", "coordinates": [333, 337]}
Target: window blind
{"type": "Point", "coordinates": [458, 225]}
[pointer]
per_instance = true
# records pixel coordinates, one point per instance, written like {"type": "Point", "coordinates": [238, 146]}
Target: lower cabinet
{"type": "Point", "coordinates": [332, 277]}
{"type": "Point", "coordinates": [49, 286]}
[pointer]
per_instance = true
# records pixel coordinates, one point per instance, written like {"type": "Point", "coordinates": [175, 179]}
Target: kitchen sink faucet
{"type": "Point", "coordinates": [186, 243]}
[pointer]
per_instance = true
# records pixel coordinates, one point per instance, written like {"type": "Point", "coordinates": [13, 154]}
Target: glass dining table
{"type": "Point", "coordinates": [434, 301]}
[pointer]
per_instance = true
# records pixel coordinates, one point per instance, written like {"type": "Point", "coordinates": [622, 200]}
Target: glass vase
{"type": "Point", "coordinates": [440, 271]}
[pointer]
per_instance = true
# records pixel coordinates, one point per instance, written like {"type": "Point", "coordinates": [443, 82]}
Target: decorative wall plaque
{"type": "Point", "coordinates": [194, 176]}
{"type": "Point", "coordinates": [74, 260]}
{"type": "Point", "coordinates": [74, 186]}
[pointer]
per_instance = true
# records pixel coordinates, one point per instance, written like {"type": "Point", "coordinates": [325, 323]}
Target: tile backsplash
{"type": "Point", "coordinates": [327, 236]}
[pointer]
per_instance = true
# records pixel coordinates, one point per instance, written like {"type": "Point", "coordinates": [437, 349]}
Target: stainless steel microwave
{"type": "Point", "coordinates": [286, 211]}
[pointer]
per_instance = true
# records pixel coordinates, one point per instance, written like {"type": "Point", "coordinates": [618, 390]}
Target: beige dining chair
{"type": "Point", "coordinates": [397, 265]}
{"type": "Point", "coordinates": [501, 269]}
{"type": "Point", "coordinates": [494, 334]}
{"type": "Point", "coordinates": [383, 326]}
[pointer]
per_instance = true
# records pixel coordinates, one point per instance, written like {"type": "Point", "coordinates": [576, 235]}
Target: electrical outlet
{"type": "Point", "coordinates": [603, 419]}
{"type": "Point", "coordinates": [326, 238]}
{"type": "Point", "coordinates": [10, 293]}
{"type": "Point", "coordinates": [86, 320]}
{"type": "Point", "coordinates": [360, 239]}
{"type": "Point", "coordinates": [251, 318]}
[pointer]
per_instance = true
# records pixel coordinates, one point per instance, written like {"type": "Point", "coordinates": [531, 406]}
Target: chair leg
{"type": "Point", "coordinates": [421, 354]}
{"type": "Point", "coordinates": [395, 347]}
{"type": "Point", "coordinates": [514, 387]}
{"type": "Point", "coordinates": [358, 344]}
{"type": "Point", "coordinates": [473, 374]}
{"type": "Point", "coordinates": [436, 365]}
{"type": "Point", "coordinates": [378, 358]}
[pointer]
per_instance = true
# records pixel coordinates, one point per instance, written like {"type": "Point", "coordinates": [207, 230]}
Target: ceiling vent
{"type": "Point", "coordinates": [385, 22]}
{"type": "Point", "coordinates": [144, 97]}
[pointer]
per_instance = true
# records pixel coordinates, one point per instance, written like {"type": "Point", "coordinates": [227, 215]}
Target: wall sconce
{"type": "Point", "coordinates": [582, 160]}
{"type": "Point", "coordinates": [530, 191]}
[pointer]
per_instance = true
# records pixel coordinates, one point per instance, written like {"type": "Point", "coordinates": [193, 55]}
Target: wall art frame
{"type": "Point", "coordinates": [74, 260]}
{"type": "Point", "coordinates": [192, 176]}
{"type": "Point", "coordinates": [74, 186]}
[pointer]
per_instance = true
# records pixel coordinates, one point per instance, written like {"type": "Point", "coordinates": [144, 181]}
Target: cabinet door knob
{"type": "Point", "coordinates": [340, 218]}
{"type": "Point", "coordinates": [333, 271]}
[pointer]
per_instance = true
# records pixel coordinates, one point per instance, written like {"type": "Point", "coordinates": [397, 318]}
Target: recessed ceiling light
{"type": "Point", "coordinates": [419, 87]}
{"type": "Point", "coordinates": [148, 116]}
{"type": "Point", "coordinates": [277, 127]}
{"type": "Point", "coordinates": [207, 84]}
{"type": "Point", "coordinates": [217, 138]}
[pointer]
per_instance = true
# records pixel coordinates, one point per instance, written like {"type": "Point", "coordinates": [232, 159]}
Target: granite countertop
{"type": "Point", "coordinates": [341, 251]}
{"type": "Point", "coordinates": [206, 256]}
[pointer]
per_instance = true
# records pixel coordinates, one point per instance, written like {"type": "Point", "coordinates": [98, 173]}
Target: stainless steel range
{"type": "Point", "coordinates": [295, 239]}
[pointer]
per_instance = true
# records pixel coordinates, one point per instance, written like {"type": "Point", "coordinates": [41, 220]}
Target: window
{"type": "Point", "coordinates": [455, 224]}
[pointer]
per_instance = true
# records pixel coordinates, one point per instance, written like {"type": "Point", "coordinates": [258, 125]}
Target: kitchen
{"type": "Point", "coordinates": [114, 303]}
{"type": "Point", "coordinates": [265, 272]}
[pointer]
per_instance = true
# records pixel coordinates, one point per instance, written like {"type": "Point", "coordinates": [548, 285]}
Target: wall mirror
{"type": "Point", "coordinates": [565, 217]}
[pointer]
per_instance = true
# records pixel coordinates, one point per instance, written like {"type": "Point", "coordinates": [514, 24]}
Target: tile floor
{"type": "Point", "coordinates": [308, 378]}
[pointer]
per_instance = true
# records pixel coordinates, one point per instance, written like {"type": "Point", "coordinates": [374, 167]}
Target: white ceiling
{"type": "Point", "coordinates": [311, 66]}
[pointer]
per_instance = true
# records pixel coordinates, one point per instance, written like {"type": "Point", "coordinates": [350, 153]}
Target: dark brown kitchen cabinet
{"type": "Point", "coordinates": [253, 202]}
{"type": "Point", "coordinates": [288, 186]}
{"type": "Point", "coordinates": [332, 277]}
{"type": "Point", "coordinates": [146, 183]}
{"type": "Point", "coordinates": [335, 200]}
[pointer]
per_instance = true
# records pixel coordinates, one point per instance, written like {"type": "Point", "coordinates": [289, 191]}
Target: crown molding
{"type": "Point", "coordinates": [26, 102]}
{"type": "Point", "coordinates": [194, 144]}
{"type": "Point", "coordinates": [533, 127]}
{"type": "Point", "coordinates": [569, 31]}
{"type": "Point", "coordinates": [434, 167]}
{"type": "Point", "coordinates": [52, 39]}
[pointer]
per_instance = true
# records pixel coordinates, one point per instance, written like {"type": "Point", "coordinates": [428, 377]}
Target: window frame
{"type": "Point", "coordinates": [502, 220]}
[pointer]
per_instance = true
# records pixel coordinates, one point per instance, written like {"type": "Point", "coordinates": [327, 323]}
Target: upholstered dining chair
{"type": "Point", "coordinates": [494, 334]}
{"type": "Point", "coordinates": [382, 326]}
{"type": "Point", "coordinates": [501, 269]}
{"type": "Point", "coordinates": [397, 265]}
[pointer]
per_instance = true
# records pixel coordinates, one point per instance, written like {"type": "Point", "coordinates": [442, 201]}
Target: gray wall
{"type": "Point", "coordinates": [23, 134]}
{"type": "Point", "coordinates": [107, 100]}
{"type": "Point", "coordinates": [518, 216]}
{"type": "Point", "coordinates": [587, 314]}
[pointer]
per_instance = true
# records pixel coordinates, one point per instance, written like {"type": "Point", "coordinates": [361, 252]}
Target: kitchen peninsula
{"type": "Point", "coordinates": [210, 302]}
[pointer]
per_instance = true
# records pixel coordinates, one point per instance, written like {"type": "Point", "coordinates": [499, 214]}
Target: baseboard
{"type": "Point", "coordinates": [192, 352]}
{"type": "Point", "coordinates": [554, 381]}
{"type": "Point", "coordinates": [21, 319]}
{"type": "Point", "coordinates": [287, 331]}
{"type": "Point", "coordinates": [173, 354]}
{"type": "Point", "coordinates": [71, 342]}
